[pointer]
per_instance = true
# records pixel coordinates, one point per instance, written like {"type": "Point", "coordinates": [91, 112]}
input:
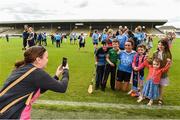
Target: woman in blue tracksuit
{"type": "Point", "coordinates": [125, 66]}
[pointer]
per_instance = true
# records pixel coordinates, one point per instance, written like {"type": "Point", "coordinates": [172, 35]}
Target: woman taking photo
{"type": "Point", "coordinates": [27, 82]}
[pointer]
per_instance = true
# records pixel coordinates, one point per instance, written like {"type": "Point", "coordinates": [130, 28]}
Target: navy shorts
{"type": "Point", "coordinates": [123, 76]}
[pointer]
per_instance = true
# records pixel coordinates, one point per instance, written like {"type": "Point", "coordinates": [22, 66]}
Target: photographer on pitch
{"type": "Point", "coordinates": [28, 81]}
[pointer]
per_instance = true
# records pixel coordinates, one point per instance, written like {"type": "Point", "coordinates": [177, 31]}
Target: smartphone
{"type": "Point", "coordinates": [64, 61]}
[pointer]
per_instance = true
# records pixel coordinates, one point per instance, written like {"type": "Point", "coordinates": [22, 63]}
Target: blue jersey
{"type": "Point", "coordinates": [139, 36]}
{"type": "Point", "coordinates": [126, 60]}
{"type": "Point", "coordinates": [104, 37]}
{"type": "Point", "coordinates": [101, 56]}
{"type": "Point", "coordinates": [143, 35]}
{"type": "Point", "coordinates": [95, 37]}
{"type": "Point", "coordinates": [122, 39]}
{"type": "Point", "coordinates": [57, 37]}
{"type": "Point", "coordinates": [39, 37]}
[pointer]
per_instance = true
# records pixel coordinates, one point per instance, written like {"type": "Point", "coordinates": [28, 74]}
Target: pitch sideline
{"type": "Point", "coordinates": [106, 105]}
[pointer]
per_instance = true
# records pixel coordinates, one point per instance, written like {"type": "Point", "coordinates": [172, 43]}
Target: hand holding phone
{"type": "Point", "coordinates": [64, 61]}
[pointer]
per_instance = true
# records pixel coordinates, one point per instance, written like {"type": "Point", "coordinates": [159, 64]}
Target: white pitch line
{"type": "Point", "coordinates": [106, 105]}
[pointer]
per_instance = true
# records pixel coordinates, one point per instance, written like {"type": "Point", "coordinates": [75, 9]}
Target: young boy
{"type": "Point", "coordinates": [100, 58]}
{"type": "Point", "coordinates": [110, 67]}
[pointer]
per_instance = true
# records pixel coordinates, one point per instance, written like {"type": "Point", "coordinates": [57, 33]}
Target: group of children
{"type": "Point", "coordinates": [130, 69]}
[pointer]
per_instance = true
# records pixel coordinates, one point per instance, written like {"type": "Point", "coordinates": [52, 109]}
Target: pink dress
{"type": "Point", "coordinates": [26, 113]}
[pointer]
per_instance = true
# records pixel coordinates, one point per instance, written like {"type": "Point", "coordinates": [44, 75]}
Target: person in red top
{"type": "Point", "coordinates": [151, 87]}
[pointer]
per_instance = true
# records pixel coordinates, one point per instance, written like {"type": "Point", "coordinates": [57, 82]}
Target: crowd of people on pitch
{"type": "Point", "coordinates": [124, 55]}
{"type": "Point", "coordinates": [31, 38]}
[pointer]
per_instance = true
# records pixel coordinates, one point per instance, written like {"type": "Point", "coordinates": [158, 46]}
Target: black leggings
{"type": "Point", "coordinates": [112, 70]}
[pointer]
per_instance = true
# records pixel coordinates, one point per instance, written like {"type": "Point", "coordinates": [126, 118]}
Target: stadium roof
{"type": "Point", "coordinates": [167, 27]}
{"type": "Point", "coordinates": [159, 21]}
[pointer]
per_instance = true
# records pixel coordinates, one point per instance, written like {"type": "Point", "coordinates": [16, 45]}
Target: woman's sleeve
{"type": "Point", "coordinates": [45, 82]}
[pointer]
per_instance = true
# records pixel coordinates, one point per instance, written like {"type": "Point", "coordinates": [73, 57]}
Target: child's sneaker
{"type": "Point", "coordinates": [150, 103]}
{"type": "Point", "coordinates": [160, 102]}
{"type": "Point", "coordinates": [140, 99]}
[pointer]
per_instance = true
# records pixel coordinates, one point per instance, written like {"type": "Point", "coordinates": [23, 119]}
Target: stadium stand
{"type": "Point", "coordinates": [178, 32]}
{"type": "Point", "coordinates": [165, 29]}
{"type": "Point", "coordinates": [154, 31]}
{"type": "Point", "coordinates": [85, 25]}
{"type": "Point", "coordinates": [79, 30]}
{"type": "Point", "coordinates": [4, 29]}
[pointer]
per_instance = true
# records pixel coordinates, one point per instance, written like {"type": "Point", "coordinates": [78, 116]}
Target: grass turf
{"type": "Point", "coordinates": [81, 63]}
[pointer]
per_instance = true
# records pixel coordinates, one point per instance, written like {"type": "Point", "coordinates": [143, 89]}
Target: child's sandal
{"type": "Point", "coordinates": [160, 102]}
{"type": "Point", "coordinates": [150, 103]}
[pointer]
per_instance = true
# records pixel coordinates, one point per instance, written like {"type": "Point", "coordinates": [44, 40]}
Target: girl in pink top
{"type": "Point", "coordinates": [151, 87]}
{"type": "Point", "coordinates": [137, 77]}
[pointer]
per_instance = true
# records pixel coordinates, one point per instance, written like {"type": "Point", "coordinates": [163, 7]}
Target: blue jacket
{"type": "Point", "coordinates": [126, 60]}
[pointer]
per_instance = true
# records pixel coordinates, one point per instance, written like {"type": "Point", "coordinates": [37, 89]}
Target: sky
{"type": "Point", "coordinates": [19, 10]}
